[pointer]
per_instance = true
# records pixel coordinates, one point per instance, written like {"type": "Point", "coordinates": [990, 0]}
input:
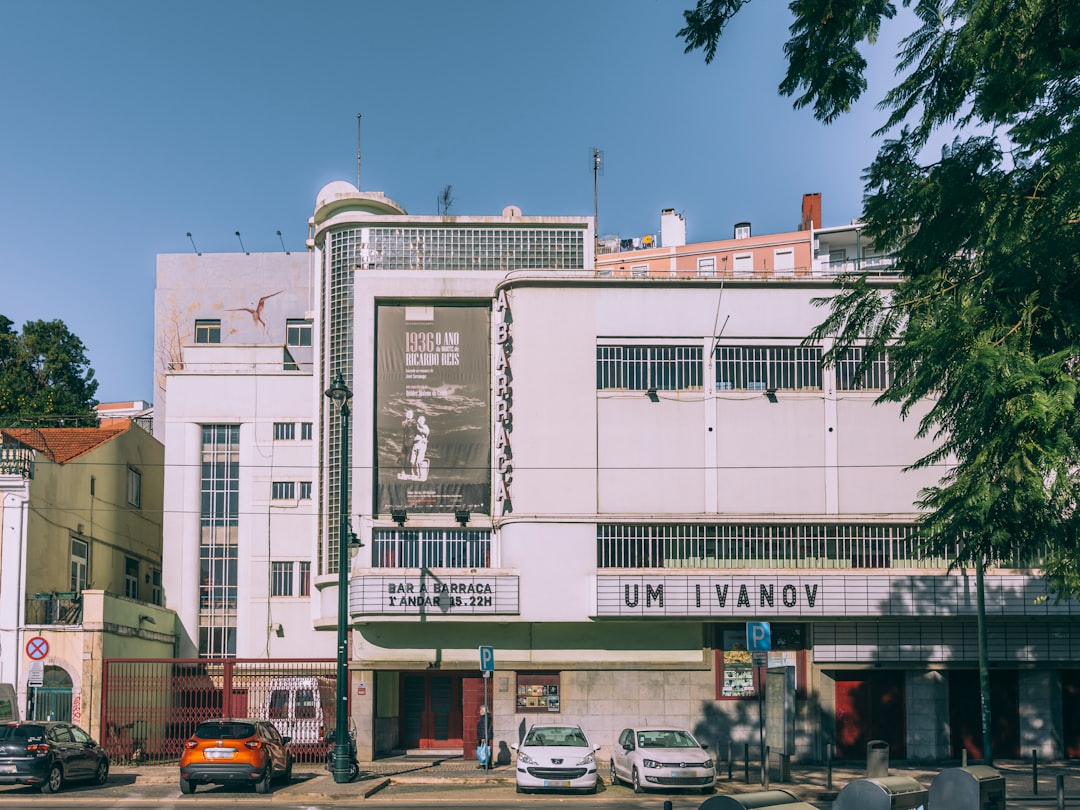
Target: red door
{"type": "Point", "coordinates": [431, 710]}
{"type": "Point", "coordinates": [965, 713]}
{"type": "Point", "coordinates": [869, 706]}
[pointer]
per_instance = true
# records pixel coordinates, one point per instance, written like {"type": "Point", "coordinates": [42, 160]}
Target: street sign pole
{"type": "Point", "coordinates": [487, 666]}
{"type": "Point", "coordinates": [759, 642]}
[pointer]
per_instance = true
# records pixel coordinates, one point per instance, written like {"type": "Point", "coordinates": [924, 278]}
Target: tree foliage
{"type": "Point", "coordinates": [983, 322]}
{"type": "Point", "coordinates": [45, 377]}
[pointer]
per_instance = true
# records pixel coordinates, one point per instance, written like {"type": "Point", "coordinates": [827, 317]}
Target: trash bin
{"type": "Point", "coordinates": [877, 759]}
{"type": "Point", "coordinates": [976, 787]}
{"type": "Point", "coordinates": [760, 800]}
{"type": "Point", "coordinates": [886, 793]}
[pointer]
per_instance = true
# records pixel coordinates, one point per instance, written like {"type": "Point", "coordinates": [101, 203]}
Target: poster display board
{"type": "Point", "coordinates": [433, 408]}
{"type": "Point", "coordinates": [538, 692]}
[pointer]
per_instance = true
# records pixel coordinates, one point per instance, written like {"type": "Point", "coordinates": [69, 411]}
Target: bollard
{"type": "Point", "coordinates": [828, 766]}
{"type": "Point", "coordinates": [963, 757]}
{"type": "Point", "coordinates": [667, 805]}
{"type": "Point", "coordinates": [746, 762]}
{"type": "Point", "coordinates": [1034, 771]}
{"type": "Point", "coordinates": [1060, 792]}
{"type": "Point", "coordinates": [730, 758]}
{"type": "Point", "coordinates": [765, 769]}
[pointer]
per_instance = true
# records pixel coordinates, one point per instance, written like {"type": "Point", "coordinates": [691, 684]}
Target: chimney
{"type": "Point", "coordinates": [672, 228]}
{"type": "Point", "coordinates": [811, 212]}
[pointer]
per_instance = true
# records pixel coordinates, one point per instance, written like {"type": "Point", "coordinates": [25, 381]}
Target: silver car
{"type": "Point", "coordinates": [555, 757]}
{"type": "Point", "coordinates": [661, 757]}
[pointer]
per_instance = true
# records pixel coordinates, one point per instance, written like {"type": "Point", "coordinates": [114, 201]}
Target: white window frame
{"type": "Point", "coordinates": [784, 262]}
{"type": "Point", "coordinates": [742, 264]}
{"type": "Point", "coordinates": [134, 487]}
{"type": "Point", "coordinates": [639, 271]}
{"type": "Point", "coordinates": [305, 490]}
{"type": "Point", "coordinates": [80, 564]}
{"type": "Point", "coordinates": [307, 430]}
{"type": "Point", "coordinates": [281, 578]}
{"type": "Point", "coordinates": [706, 266]}
{"type": "Point", "coordinates": [283, 491]}
{"type": "Point", "coordinates": [284, 431]}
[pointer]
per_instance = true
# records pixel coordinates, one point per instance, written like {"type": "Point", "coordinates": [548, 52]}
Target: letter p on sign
{"type": "Point", "coordinates": [758, 636]}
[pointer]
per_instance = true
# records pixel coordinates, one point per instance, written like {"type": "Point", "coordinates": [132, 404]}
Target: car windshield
{"type": "Point", "coordinates": [224, 730]}
{"type": "Point", "coordinates": [21, 733]}
{"type": "Point", "coordinates": [666, 739]}
{"type": "Point", "coordinates": [556, 735]}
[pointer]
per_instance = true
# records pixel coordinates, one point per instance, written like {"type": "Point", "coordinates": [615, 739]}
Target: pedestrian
{"type": "Point", "coordinates": [484, 739]}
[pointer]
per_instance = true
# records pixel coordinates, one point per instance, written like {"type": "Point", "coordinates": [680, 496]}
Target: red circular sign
{"type": "Point", "coordinates": [37, 648]}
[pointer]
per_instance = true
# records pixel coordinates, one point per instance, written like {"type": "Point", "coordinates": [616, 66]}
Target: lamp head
{"type": "Point", "coordinates": [338, 391]}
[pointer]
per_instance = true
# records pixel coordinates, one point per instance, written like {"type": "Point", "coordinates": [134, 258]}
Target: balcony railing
{"type": "Point", "coordinates": [16, 459]}
{"type": "Point", "coordinates": [44, 608]}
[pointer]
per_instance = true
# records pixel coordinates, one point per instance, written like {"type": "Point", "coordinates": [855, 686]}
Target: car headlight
{"type": "Point", "coordinates": [589, 759]}
{"type": "Point", "coordinates": [523, 757]}
{"type": "Point", "coordinates": [650, 763]}
{"type": "Point", "coordinates": [707, 763]}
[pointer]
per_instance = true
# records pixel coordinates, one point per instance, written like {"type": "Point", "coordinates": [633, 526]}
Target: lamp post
{"type": "Point", "coordinates": [341, 394]}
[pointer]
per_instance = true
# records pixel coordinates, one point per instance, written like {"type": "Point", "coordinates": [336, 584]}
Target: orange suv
{"type": "Point", "coordinates": [229, 750]}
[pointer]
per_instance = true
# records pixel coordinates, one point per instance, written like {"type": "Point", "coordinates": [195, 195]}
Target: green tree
{"type": "Point", "coordinates": [983, 322]}
{"type": "Point", "coordinates": [45, 377]}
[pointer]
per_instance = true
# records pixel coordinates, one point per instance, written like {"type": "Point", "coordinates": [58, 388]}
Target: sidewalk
{"type": "Point", "coordinates": [809, 782]}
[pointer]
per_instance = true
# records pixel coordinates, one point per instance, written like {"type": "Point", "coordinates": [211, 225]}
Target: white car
{"type": "Point", "coordinates": [661, 757]}
{"type": "Point", "coordinates": [556, 757]}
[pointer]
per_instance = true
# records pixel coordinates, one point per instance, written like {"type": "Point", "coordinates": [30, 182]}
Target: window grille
{"type": "Point", "coordinates": [639, 368]}
{"type": "Point", "coordinates": [283, 491]}
{"type": "Point", "coordinates": [281, 579]}
{"type": "Point", "coordinates": [284, 431]}
{"type": "Point", "coordinates": [760, 368]}
{"type": "Point", "coordinates": [875, 375]}
{"type": "Point", "coordinates": [431, 548]}
{"type": "Point", "coordinates": [762, 546]}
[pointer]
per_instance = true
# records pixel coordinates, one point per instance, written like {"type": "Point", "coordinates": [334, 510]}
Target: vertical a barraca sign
{"type": "Point", "coordinates": [504, 396]}
{"type": "Point", "coordinates": [433, 402]}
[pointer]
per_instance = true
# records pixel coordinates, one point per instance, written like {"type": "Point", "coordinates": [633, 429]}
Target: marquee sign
{"type": "Point", "coordinates": [433, 595]}
{"type": "Point", "coordinates": [838, 594]}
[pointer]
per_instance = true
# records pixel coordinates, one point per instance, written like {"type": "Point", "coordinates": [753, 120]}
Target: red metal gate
{"type": "Point", "coordinates": [150, 706]}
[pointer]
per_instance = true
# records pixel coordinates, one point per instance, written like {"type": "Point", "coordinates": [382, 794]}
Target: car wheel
{"type": "Point", "coordinates": [263, 785]}
{"type": "Point", "coordinates": [54, 780]}
{"type": "Point", "coordinates": [101, 774]}
{"type": "Point", "coordinates": [186, 786]}
{"type": "Point", "coordinates": [636, 782]}
{"type": "Point", "coordinates": [614, 773]}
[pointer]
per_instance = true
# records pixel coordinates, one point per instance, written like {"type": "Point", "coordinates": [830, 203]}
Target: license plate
{"type": "Point", "coordinates": [219, 753]}
{"type": "Point", "coordinates": [7, 769]}
{"type": "Point", "coordinates": [557, 783]}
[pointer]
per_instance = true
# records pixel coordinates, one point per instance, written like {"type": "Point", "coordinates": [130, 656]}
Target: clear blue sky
{"type": "Point", "coordinates": [128, 123]}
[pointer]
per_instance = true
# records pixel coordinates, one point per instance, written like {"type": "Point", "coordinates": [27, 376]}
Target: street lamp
{"type": "Point", "coordinates": [341, 394]}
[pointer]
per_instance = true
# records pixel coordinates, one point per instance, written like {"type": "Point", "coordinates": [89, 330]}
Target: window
{"type": "Point", "coordinates": [155, 586]}
{"type": "Point", "coordinates": [706, 266]}
{"type": "Point", "coordinates": [304, 579]}
{"type": "Point", "coordinates": [639, 368]}
{"type": "Point", "coordinates": [218, 551]}
{"type": "Point", "coordinates": [297, 332]}
{"type": "Point", "coordinates": [134, 487]}
{"type": "Point", "coordinates": [760, 368]}
{"type": "Point", "coordinates": [208, 331]}
{"type": "Point", "coordinates": [305, 490]}
{"type": "Point", "coordinates": [857, 372]}
{"type": "Point", "coordinates": [131, 578]}
{"type": "Point", "coordinates": [284, 431]}
{"type": "Point", "coordinates": [431, 548]}
{"type": "Point", "coordinates": [743, 264]}
{"type": "Point", "coordinates": [639, 271]}
{"type": "Point", "coordinates": [305, 431]}
{"type": "Point", "coordinates": [742, 230]}
{"type": "Point", "coordinates": [784, 262]}
{"type": "Point", "coordinates": [281, 579]}
{"type": "Point", "coordinates": [283, 491]}
{"type": "Point", "coordinates": [80, 557]}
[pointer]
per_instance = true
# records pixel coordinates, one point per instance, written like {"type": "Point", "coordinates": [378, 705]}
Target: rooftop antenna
{"type": "Point", "coordinates": [358, 151]}
{"type": "Point", "coordinates": [597, 170]}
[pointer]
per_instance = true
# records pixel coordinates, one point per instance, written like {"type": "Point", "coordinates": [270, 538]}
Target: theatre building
{"type": "Point", "coordinates": [602, 466]}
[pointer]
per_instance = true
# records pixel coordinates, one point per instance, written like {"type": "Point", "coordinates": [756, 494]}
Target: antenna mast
{"type": "Point", "coordinates": [597, 170]}
{"type": "Point", "coordinates": [358, 151]}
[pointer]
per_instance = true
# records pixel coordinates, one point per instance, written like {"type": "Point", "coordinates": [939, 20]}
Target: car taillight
{"type": "Point", "coordinates": [39, 749]}
{"type": "Point", "coordinates": [253, 744]}
{"type": "Point", "coordinates": [191, 744]}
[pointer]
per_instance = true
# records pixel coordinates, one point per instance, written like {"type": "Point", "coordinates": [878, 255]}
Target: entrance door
{"type": "Point", "coordinates": [431, 710]}
{"type": "Point", "coordinates": [870, 706]}
{"type": "Point", "coordinates": [965, 713]}
{"type": "Point", "coordinates": [1070, 712]}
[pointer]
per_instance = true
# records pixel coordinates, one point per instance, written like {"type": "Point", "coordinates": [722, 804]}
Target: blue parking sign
{"type": "Point", "coordinates": [487, 659]}
{"type": "Point", "coordinates": [758, 636]}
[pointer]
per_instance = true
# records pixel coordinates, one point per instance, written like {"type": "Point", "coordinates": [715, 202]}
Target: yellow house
{"type": "Point", "coordinates": [80, 562]}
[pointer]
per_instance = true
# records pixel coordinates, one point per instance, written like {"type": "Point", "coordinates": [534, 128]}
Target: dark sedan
{"type": "Point", "coordinates": [48, 754]}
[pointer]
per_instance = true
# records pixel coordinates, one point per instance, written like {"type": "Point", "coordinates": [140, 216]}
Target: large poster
{"type": "Point", "coordinates": [433, 400]}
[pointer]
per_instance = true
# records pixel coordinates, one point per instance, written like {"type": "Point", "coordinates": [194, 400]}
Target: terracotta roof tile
{"type": "Point", "coordinates": [66, 444]}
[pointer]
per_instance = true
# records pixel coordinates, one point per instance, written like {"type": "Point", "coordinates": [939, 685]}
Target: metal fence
{"type": "Point", "coordinates": [150, 706]}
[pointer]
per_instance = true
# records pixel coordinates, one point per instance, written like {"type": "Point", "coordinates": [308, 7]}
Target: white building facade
{"type": "Point", "coordinates": [603, 467]}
